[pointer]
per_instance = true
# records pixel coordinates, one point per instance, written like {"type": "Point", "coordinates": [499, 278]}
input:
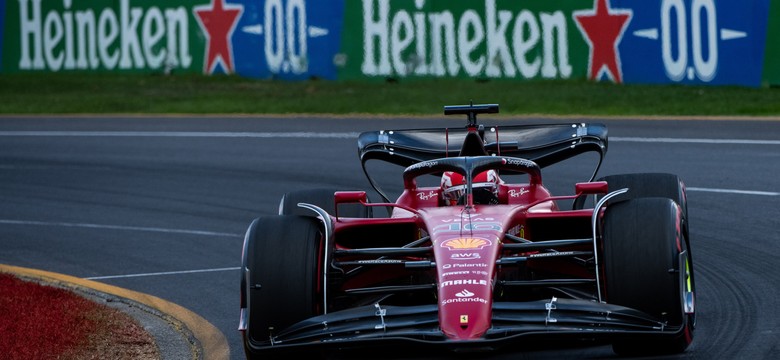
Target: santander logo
{"type": "Point", "coordinates": [465, 293]}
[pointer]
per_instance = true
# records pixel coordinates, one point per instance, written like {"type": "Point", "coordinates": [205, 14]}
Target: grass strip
{"type": "Point", "coordinates": [112, 93]}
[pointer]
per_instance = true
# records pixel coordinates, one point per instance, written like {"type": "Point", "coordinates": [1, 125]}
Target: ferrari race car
{"type": "Point", "coordinates": [473, 262]}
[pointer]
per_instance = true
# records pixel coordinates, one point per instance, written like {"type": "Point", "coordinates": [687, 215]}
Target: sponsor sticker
{"type": "Point", "coordinates": [518, 230]}
{"type": "Point", "coordinates": [423, 165]}
{"type": "Point", "coordinates": [423, 195]}
{"type": "Point", "coordinates": [381, 261]}
{"type": "Point", "coordinates": [466, 243]}
{"type": "Point", "coordinates": [481, 282]}
{"type": "Point", "coordinates": [464, 265]}
{"type": "Point", "coordinates": [472, 225]}
{"type": "Point", "coordinates": [465, 256]}
{"type": "Point", "coordinates": [466, 299]}
{"type": "Point", "coordinates": [518, 193]}
{"type": "Point", "coordinates": [465, 272]}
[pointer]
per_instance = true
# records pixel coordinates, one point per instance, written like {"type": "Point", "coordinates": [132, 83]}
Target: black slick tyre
{"type": "Point", "coordinates": [282, 257]}
{"type": "Point", "coordinates": [647, 266]}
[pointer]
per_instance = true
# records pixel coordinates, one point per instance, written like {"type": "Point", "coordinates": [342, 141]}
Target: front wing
{"type": "Point", "coordinates": [514, 323]}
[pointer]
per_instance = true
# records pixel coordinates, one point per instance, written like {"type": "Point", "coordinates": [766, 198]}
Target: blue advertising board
{"type": "Point", "coordinates": [288, 39]}
{"type": "Point", "coordinates": [696, 42]}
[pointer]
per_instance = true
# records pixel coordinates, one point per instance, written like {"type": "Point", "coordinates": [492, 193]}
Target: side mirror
{"type": "Point", "coordinates": [588, 188]}
{"type": "Point", "coordinates": [346, 197]}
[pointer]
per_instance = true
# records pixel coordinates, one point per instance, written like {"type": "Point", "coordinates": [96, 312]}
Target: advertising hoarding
{"type": "Point", "coordinates": [696, 42]}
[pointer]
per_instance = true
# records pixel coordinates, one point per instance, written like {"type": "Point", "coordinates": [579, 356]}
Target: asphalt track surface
{"type": "Point", "coordinates": [157, 207]}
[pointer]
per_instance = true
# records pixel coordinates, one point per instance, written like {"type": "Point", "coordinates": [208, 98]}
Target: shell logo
{"type": "Point", "coordinates": [466, 243]}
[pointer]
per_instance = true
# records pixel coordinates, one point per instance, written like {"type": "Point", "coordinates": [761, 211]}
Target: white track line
{"type": "Point", "coordinates": [332, 135]}
{"type": "Point", "coordinates": [347, 135]}
{"type": "Point", "coordinates": [696, 141]}
{"type": "Point", "coordinates": [119, 227]}
{"type": "Point", "coordinates": [161, 273]}
{"type": "Point", "coordinates": [132, 228]}
{"type": "Point", "coordinates": [732, 191]}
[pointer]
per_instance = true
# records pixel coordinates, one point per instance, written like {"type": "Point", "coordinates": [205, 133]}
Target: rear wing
{"type": "Point", "coordinates": [544, 144]}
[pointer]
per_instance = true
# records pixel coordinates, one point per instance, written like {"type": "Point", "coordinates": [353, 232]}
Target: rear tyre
{"type": "Point", "coordinates": [322, 198]}
{"type": "Point", "coordinates": [648, 267]}
{"type": "Point", "coordinates": [281, 256]}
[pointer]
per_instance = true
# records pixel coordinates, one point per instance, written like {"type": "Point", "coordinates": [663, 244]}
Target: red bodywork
{"type": "Point", "coordinates": [476, 275]}
{"type": "Point", "coordinates": [467, 241]}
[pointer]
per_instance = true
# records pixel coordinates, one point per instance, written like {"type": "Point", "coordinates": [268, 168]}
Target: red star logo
{"type": "Point", "coordinates": [218, 21]}
{"type": "Point", "coordinates": [603, 29]}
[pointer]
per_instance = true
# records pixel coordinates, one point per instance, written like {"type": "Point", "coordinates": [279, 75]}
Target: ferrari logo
{"type": "Point", "coordinates": [464, 319]}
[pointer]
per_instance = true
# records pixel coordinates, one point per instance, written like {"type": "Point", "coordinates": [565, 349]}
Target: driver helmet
{"type": "Point", "coordinates": [484, 187]}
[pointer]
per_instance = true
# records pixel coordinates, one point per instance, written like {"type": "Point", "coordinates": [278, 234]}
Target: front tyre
{"type": "Point", "coordinates": [279, 277]}
{"type": "Point", "coordinates": [648, 267]}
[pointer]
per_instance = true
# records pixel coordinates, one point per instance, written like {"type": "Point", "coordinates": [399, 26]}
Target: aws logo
{"type": "Point", "coordinates": [465, 256]}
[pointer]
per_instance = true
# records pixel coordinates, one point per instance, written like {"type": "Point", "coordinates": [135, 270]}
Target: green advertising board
{"type": "Point", "coordinates": [772, 52]}
{"type": "Point", "coordinates": [101, 35]}
{"type": "Point", "coordinates": [501, 39]}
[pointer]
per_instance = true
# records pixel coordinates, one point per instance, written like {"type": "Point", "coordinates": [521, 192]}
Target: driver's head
{"type": "Point", "coordinates": [484, 187]}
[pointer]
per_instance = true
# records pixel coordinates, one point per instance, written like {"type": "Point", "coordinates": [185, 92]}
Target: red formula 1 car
{"type": "Point", "coordinates": [474, 262]}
